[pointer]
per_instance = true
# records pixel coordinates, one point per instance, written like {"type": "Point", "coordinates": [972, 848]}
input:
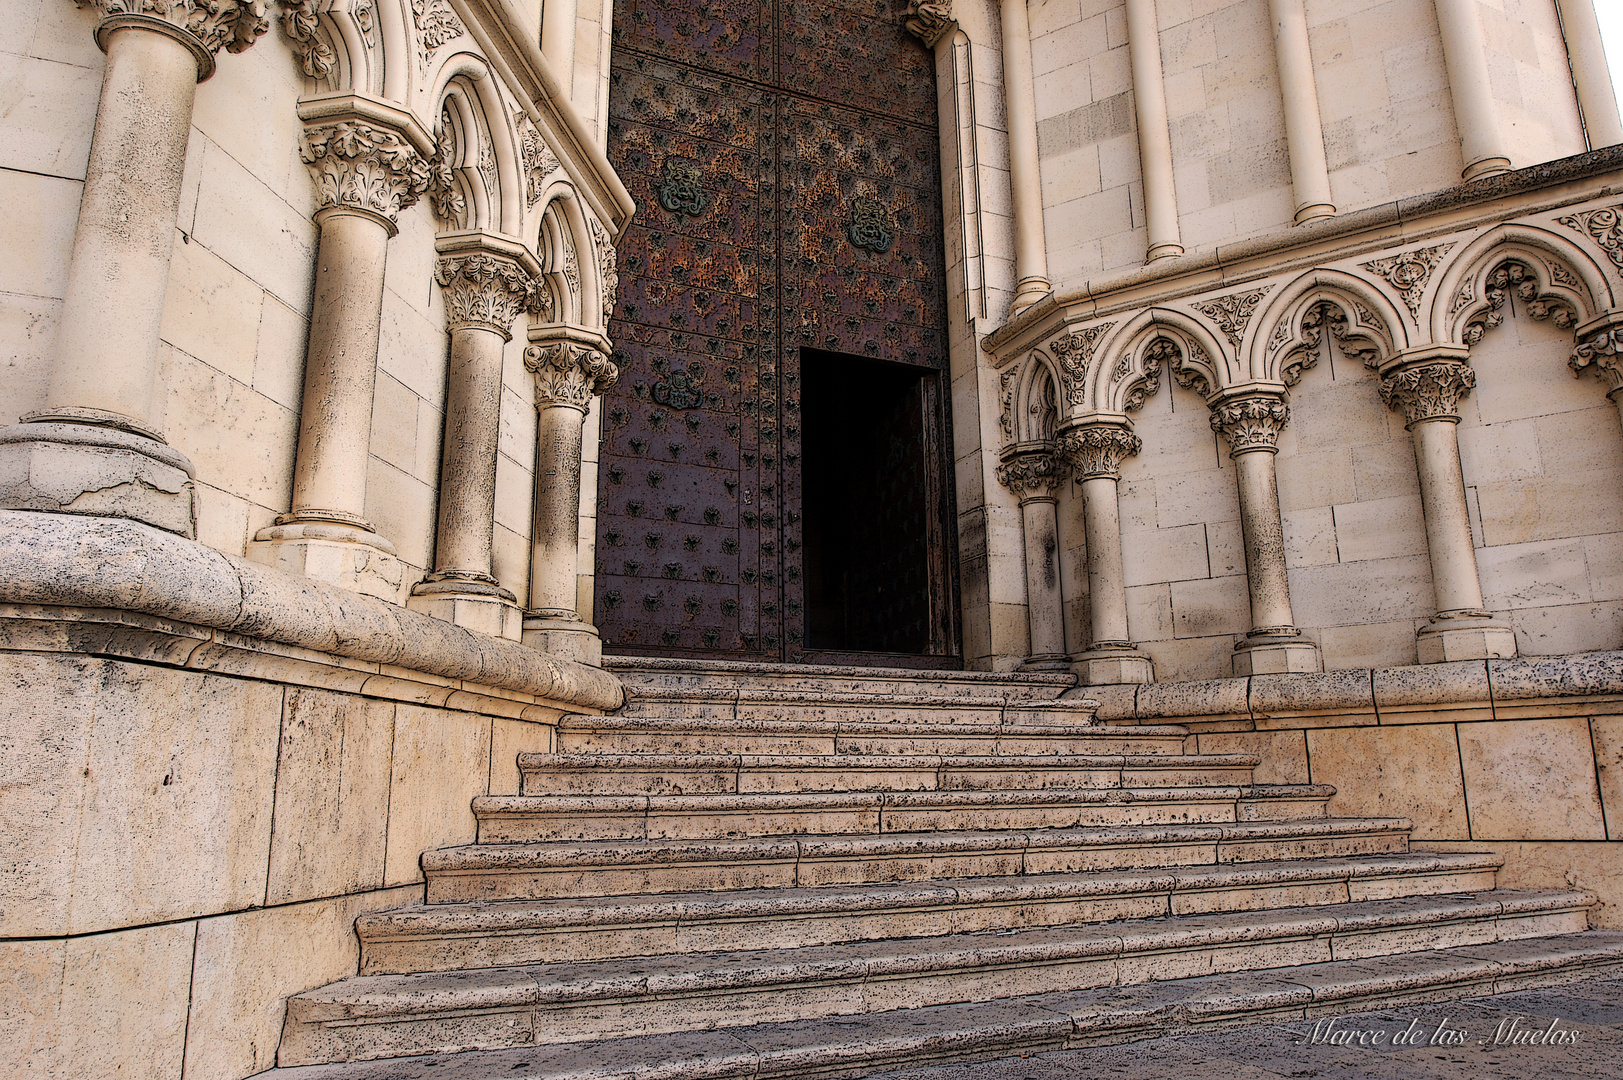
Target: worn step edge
{"type": "Point", "coordinates": [721, 725]}
{"type": "Point", "coordinates": [578, 854]}
{"type": "Point", "coordinates": [383, 1014]}
{"type": "Point", "coordinates": [862, 1045]}
{"type": "Point", "coordinates": [442, 937]}
{"type": "Point", "coordinates": [575, 760]}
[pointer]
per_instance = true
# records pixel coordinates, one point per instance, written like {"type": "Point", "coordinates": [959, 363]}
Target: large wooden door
{"type": "Point", "coordinates": [785, 161]}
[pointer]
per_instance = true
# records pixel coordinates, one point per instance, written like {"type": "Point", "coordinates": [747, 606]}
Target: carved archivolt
{"type": "Point", "coordinates": [1548, 275]}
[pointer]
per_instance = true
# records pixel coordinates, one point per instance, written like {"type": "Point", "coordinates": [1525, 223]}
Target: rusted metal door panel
{"type": "Point", "coordinates": [784, 159]}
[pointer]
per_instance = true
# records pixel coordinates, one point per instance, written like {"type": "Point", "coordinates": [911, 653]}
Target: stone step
{"type": "Point", "coordinates": [523, 871]}
{"type": "Point", "coordinates": [881, 1041]}
{"type": "Point", "coordinates": [740, 675]}
{"type": "Point", "coordinates": [742, 774]}
{"type": "Point", "coordinates": [704, 703]}
{"type": "Point", "coordinates": [668, 735]}
{"type": "Point", "coordinates": [444, 937]}
{"type": "Point", "coordinates": [506, 819]}
{"type": "Point", "coordinates": [378, 1016]}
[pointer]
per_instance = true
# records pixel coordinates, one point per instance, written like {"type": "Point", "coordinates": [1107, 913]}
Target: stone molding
{"type": "Point", "coordinates": [569, 373]}
{"type": "Point", "coordinates": [1098, 450]}
{"type": "Point", "coordinates": [486, 291]}
{"type": "Point", "coordinates": [1428, 390]}
{"type": "Point", "coordinates": [1252, 422]}
{"type": "Point", "coordinates": [929, 21]}
{"type": "Point", "coordinates": [60, 560]}
{"type": "Point", "coordinates": [232, 25]}
{"type": "Point", "coordinates": [360, 165]}
{"type": "Point", "coordinates": [1032, 470]}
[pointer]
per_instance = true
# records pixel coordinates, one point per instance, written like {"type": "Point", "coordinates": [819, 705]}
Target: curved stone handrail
{"type": "Point", "coordinates": [78, 561]}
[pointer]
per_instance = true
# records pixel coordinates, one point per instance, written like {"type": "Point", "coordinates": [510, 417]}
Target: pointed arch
{"type": "Point", "coordinates": [1361, 319]}
{"type": "Point", "coordinates": [487, 155]}
{"type": "Point", "coordinates": [1030, 399]}
{"type": "Point", "coordinates": [1555, 276]}
{"type": "Point", "coordinates": [1153, 340]}
{"type": "Point", "coordinates": [561, 304]}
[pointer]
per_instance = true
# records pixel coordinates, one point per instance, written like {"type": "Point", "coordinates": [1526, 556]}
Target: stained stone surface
{"type": "Point", "coordinates": [1593, 1011]}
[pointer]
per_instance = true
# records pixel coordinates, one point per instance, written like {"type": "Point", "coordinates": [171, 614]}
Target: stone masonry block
{"type": "Point", "coordinates": [1411, 772]}
{"type": "Point", "coordinates": [1531, 780]}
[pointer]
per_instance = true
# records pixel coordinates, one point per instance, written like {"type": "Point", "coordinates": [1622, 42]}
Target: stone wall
{"type": "Point", "coordinates": [1521, 757]}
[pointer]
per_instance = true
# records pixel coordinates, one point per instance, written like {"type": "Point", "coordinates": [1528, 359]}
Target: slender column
{"type": "Point", "coordinates": [570, 365]}
{"type": "Point", "coordinates": [1310, 175]}
{"type": "Point", "coordinates": [1428, 389]}
{"type": "Point", "coordinates": [1030, 250]}
{"type": "Point", "coordinates": [1482, 144]}
{"type": "Point", "coordinates": [487, 282]}
{"type": "Point", "coordinates": [1600, 346]}
{"type": "Point", "coordinates": [558, 40]}
{"type": "Point", "coordinates": [95, 448]}
{"type": "Point", "coordinates": [1251, 421]}
{"type": "Point", "coordinates": [1154, 134]}
{"type": "Point", "coordinates": [369, 162]}
{"type": "Point", "coordinates": [1590, 76]}
{"type": "Point", "coordinates": [1033, 471]}
{"type": "Point", "coordinates": [1095, 453]}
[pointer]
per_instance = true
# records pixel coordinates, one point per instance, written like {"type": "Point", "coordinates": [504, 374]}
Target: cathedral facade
{"type": "Point", "coordinates": [391, 383]}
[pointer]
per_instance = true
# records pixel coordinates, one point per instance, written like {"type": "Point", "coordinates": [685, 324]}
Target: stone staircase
{"type": "Point", "coordinates": [759, 870]}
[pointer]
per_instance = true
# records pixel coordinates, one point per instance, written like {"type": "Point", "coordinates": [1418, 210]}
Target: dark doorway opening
{"type": "Point", "coordinates": [876, 558]}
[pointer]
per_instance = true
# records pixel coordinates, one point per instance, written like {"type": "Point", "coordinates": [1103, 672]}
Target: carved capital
{"type": "Point", "coordinates": [1600, 349]}
{"type": "Point", "coordinates": [232, 25]}
{"type": "Point", "coordinates": [567, 373]}
{"type": "Point", "coordinates": [1428, 391]}
{"type": "Point", "coordinates": [1032, 469]}
{"type": "Point", "coordinates": [1098, 450]}
{"type": "Point", "coordinates": [486, 291]}
{"type": "Point", "coordinates": [1251, 423]}
{"type": "Point", "coordinates": [361, 166]}
{"type": "Point", "coordinates": [929, 20]}
{"type": "Point", "coordinates": [315, 57]}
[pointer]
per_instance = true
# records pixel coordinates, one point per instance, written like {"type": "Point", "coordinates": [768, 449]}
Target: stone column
{"type": "Point", "coordinates": [1094, 452]}
{"type": "Point", "coordinates": [1600, 346]}
{"type": "Point", "coordinates": [487, 281]}
{"type": "Point", "coordinates": [1154, 134]}
{"type": "Point", "coordinates": [1590, 76]}
{"type": "Point", "coordinates": [96, 447]}
{"type": "Point", "coordinates": [1251, 419]}
{"type": "Point", "coordinates": [1033, 471]}
{"type": "Point", "coordinates": [571, 365]}
{"type": "Point", "coordinates": [370, 161]}
{"type": "Point", "coordinates": [1428, 388]}
{"type": "Point", "coordinates": [1030, 247]}
{"type": "Point", "coordinates": [1482, 145]}
{"type": "Point", "coordinates": [1304, 136]}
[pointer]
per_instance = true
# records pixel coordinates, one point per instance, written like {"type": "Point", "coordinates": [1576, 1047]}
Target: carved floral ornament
{"type": "Point", "coordinates": [1075, 352]}
{"type": "Point", "coordinates": [1517, 277]}
{"type": "Point", "coordinates": [1032, 471]}
{"type": "Point", "coordinates": [357, 165]}
{"type": "Point", "coordinates": [1409, 272]}
{"type": "Point", "coordinates": [1429, 391]}
{"type": "Point", "coordinates": [1098, 450]}
{"type": "Point", "coordinates": [1602, 351]}
{"type": "Point", "coordinates": [1603, 226]}
{"type": "Point", "coordinates": [569, 373]}
{"type": "Point", "coordinates": [233, 25]}
{"type": "Point", "coordinates": [1251, 423]}
{"type": "Point", "coordinates": [485, 291]}
{"type": "Point", "coordinates": [315, 57]}
{"type": "Point", "coordinates": [929, 20]}
{"type": "Point", "coordinates": [1233, 312]}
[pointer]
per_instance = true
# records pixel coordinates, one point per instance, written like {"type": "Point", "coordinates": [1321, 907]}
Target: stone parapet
{"type": "Point", "coordinates": [60, 561]}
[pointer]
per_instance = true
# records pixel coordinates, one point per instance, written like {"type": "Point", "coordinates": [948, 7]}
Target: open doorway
{"type": "Point", "coordinates": [877, 559]}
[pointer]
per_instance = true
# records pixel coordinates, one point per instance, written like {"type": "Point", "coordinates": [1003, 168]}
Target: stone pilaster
{"type": "Point", "coordinates": [369, 161]}
{"type": "Point", "coordinates": [1250, 419]}
{"type": "Point", "coordinates": [1428, 386]}
{"type": "Point", "coordinates": [1095, 452]}
{"type": "Point", "coordinates": [1034, 471]}
{"type": "Point", "coordinates": [488, 282]}
{"type": "Point", "coordinates": [96, 448]}
{"type": "Point", "coordinates": [571, 365]}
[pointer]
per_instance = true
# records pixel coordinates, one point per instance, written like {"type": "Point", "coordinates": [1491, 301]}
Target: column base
{"type": "Point", "coordinates": [1272, 654]}
{"type": "Point", "coordinates": [340, 555]}
{"type": "Point", "coordinates": [1046, 662]}
{"type": "Point", "coordinates": [69, 468]}
{"type": "Point", "coordinates": [565, 638]}
{"type": "Point", "coordinates": [474, 605]}
{"type": "Point", "coordinates": [1464, 637]}
{"type": "Point", "coordinates": [1028, 291]}
{"type": "Point", "coordinates": [1105, 667]}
